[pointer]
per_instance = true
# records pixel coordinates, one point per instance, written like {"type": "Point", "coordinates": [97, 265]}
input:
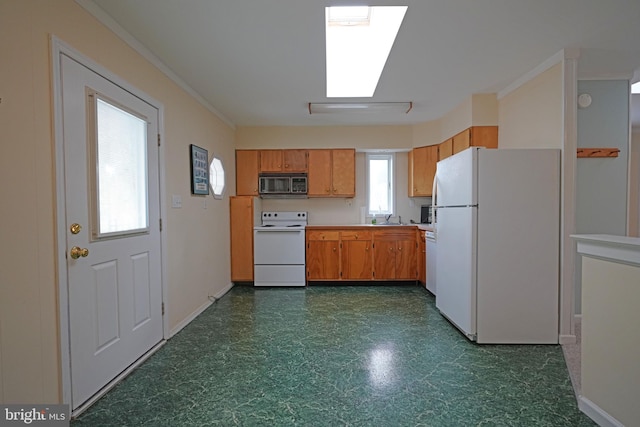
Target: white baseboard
{"type": "Point", "coordinates": [189, 318]}
{"type": "Point", "coordinates": [596, 413]}
{"type": "Point", "coordinates": [223, 291]}
{"type": "Point", "coordinates": [199, 310]}
{"type": "Point", "coordinates": [568, 339]}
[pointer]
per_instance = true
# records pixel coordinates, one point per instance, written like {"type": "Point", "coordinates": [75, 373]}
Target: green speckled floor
{"type": "Point", "coordinates": [338, 356]}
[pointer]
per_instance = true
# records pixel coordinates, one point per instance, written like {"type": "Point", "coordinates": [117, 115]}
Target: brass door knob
{"type": "Point", "coordinates": [77, 252]}
{"type": "Point", "coordinates": [75, 228]}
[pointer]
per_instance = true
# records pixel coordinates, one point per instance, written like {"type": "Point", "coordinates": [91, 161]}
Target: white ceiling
{"type": "Point", "coordinates": [261, 62]}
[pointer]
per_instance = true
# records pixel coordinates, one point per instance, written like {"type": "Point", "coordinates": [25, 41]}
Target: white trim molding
{"type": "Point", "coordinates": [560, 56]}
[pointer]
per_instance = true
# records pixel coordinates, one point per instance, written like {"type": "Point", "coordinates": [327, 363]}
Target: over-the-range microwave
{"type": "Point", "coordinates": [283, 186]}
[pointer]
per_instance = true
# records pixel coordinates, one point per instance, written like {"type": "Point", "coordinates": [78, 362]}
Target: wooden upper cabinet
{"type": "Point", "coordinates": [247, 169]}
{"type": "Point", "coordinates": [476, 136]}
{"type": "Point", "coordinates": [343, 173]}
{"type": "Point", "coordinates": [331, 173]}
{"type": "Point", "coordinates": [319, 175]}
{"type": "Point", "coordinates": [445, 149]}
{"type": "Point", "coordinates": [295, 160]}
{"type": "Point", "coordinates": [422, 170]}
{"type": "Point", "coordinates": [271, 161]}
{"type": "Point", "coordinates": [484, 136]}
{"type": "Point", "coordinates": [283, 160]}
{"type": "Point", "coordinates": [462, 141]}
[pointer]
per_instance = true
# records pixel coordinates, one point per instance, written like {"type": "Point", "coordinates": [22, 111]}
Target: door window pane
{"type": "Point", "coordinates": [122, 202]}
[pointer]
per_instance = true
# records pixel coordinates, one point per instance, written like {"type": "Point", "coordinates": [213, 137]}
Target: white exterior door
{"type": "Point", "coordinates": [112, 228]}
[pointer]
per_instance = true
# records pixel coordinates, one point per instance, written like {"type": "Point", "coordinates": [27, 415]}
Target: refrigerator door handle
{"type": "Point", "coordinates": [434, 199]}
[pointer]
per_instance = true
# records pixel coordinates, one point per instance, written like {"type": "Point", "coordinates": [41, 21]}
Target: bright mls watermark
{"type": "Point", "coordinates": [37, 415]}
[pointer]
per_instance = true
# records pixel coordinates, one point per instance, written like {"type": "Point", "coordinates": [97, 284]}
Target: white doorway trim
{"type": "Point", "coordinates": [59, 49]}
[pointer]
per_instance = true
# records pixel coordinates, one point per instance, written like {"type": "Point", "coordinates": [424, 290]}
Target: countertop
{"type": "Point", "coordinates": [426, 227]}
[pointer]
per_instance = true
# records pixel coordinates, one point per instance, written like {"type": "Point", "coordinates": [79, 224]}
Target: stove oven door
{"type": "Point", "coordinates": [279, 256]}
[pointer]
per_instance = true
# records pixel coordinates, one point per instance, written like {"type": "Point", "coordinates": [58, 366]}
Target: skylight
{"type": "Point", "coordinates": [359, 40]}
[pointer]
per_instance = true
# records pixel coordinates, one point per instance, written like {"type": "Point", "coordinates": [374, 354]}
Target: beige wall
{"type": "Point", "coordinates": [358, 137]}
{"type": "Point", "coordinates": [428, 133]}
{"type": "Point", "coordinates": [610, 348]}
{"type": "Point", "coordinates": [197, 240]}
{"type": "Point", "coordinates": [532, 115]}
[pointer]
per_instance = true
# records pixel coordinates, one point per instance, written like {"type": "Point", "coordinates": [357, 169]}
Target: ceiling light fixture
{"type": "Point", "coordinates": [359, 107]}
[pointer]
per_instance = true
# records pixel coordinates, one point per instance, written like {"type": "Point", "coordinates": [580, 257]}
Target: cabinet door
{"type": "Point", "coordinates": [484, 136]}
{"type": "Point", "coordinates": [462, 141]}
{"type": "Point", "coordinates": [323, 260]}
{"type": "Point", "coordinates": [445, 149]}
{"type": "Point", "coordinates": [384, 259]}
{"type": "Point", "coordinates": [406, 259]}
{"type": "Point", "coordinates": [271, 161]}
{"type": "Point", "coordinates": [295, 160]}
{"type": "Point", "coordinates": [247, 172]}
{"type": "Point", "coordinates": [319, 175]}
{"type": "Point", "coordinates": [241, 212]}
{"type": "Point", "coordinates": [343, 173]}
{"type": "Point", "coordinates": [356, 259]}
{"type": "Point", "coordinates": [422, 169]}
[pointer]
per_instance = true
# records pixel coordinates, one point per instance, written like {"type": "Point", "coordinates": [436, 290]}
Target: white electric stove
{"type": "Point", "coordinates": [278, 249]}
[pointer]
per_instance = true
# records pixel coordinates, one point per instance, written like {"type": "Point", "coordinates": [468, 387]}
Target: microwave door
{"type": "Point", "coordinates": [275, 185]}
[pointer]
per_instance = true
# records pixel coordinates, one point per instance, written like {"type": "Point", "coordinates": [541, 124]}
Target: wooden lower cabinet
{"type": "Point", "coordinates": [361, 254]}
{"type": "Point", "coordinates": [395, 254]}
{"type": "Point", "coordinates": [323, 255]}
{"type": "Point", "coordinates": [243, 213]}
{"type": "Point", "coordinates": [356, 260]}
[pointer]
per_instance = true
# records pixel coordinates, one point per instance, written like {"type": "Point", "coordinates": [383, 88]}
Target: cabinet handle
{"type": "Point", "coordinates": [334, 249]}
{"type": "Point", "coordinates": [390, 249]}
{"type": "Point", "coordinates": [286, 166]}
{"type": "Point", "coordinates": [399, 249]}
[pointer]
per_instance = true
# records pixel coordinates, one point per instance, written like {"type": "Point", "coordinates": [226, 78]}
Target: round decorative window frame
{"type": "Point", "coordinates": [214, 175]}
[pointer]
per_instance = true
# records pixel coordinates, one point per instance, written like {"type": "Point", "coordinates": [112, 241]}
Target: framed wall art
{"type": "Point", "coordinates": [199, 170]}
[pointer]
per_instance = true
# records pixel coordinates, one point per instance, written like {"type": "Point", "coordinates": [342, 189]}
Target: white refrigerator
{"type": "Point", "coordinates": [498, 231]}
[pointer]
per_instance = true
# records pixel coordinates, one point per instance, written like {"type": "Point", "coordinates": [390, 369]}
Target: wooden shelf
{"type": "Point", "coordinates": [598, 152]}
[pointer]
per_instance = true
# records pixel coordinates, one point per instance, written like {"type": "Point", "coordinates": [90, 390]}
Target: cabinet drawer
{"type": "Point", "coordinates": [355, 235]}
{"type": "Point", "coordinates": [323, 235]}
{"type": "Point", "coordinates": [394, 235]}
